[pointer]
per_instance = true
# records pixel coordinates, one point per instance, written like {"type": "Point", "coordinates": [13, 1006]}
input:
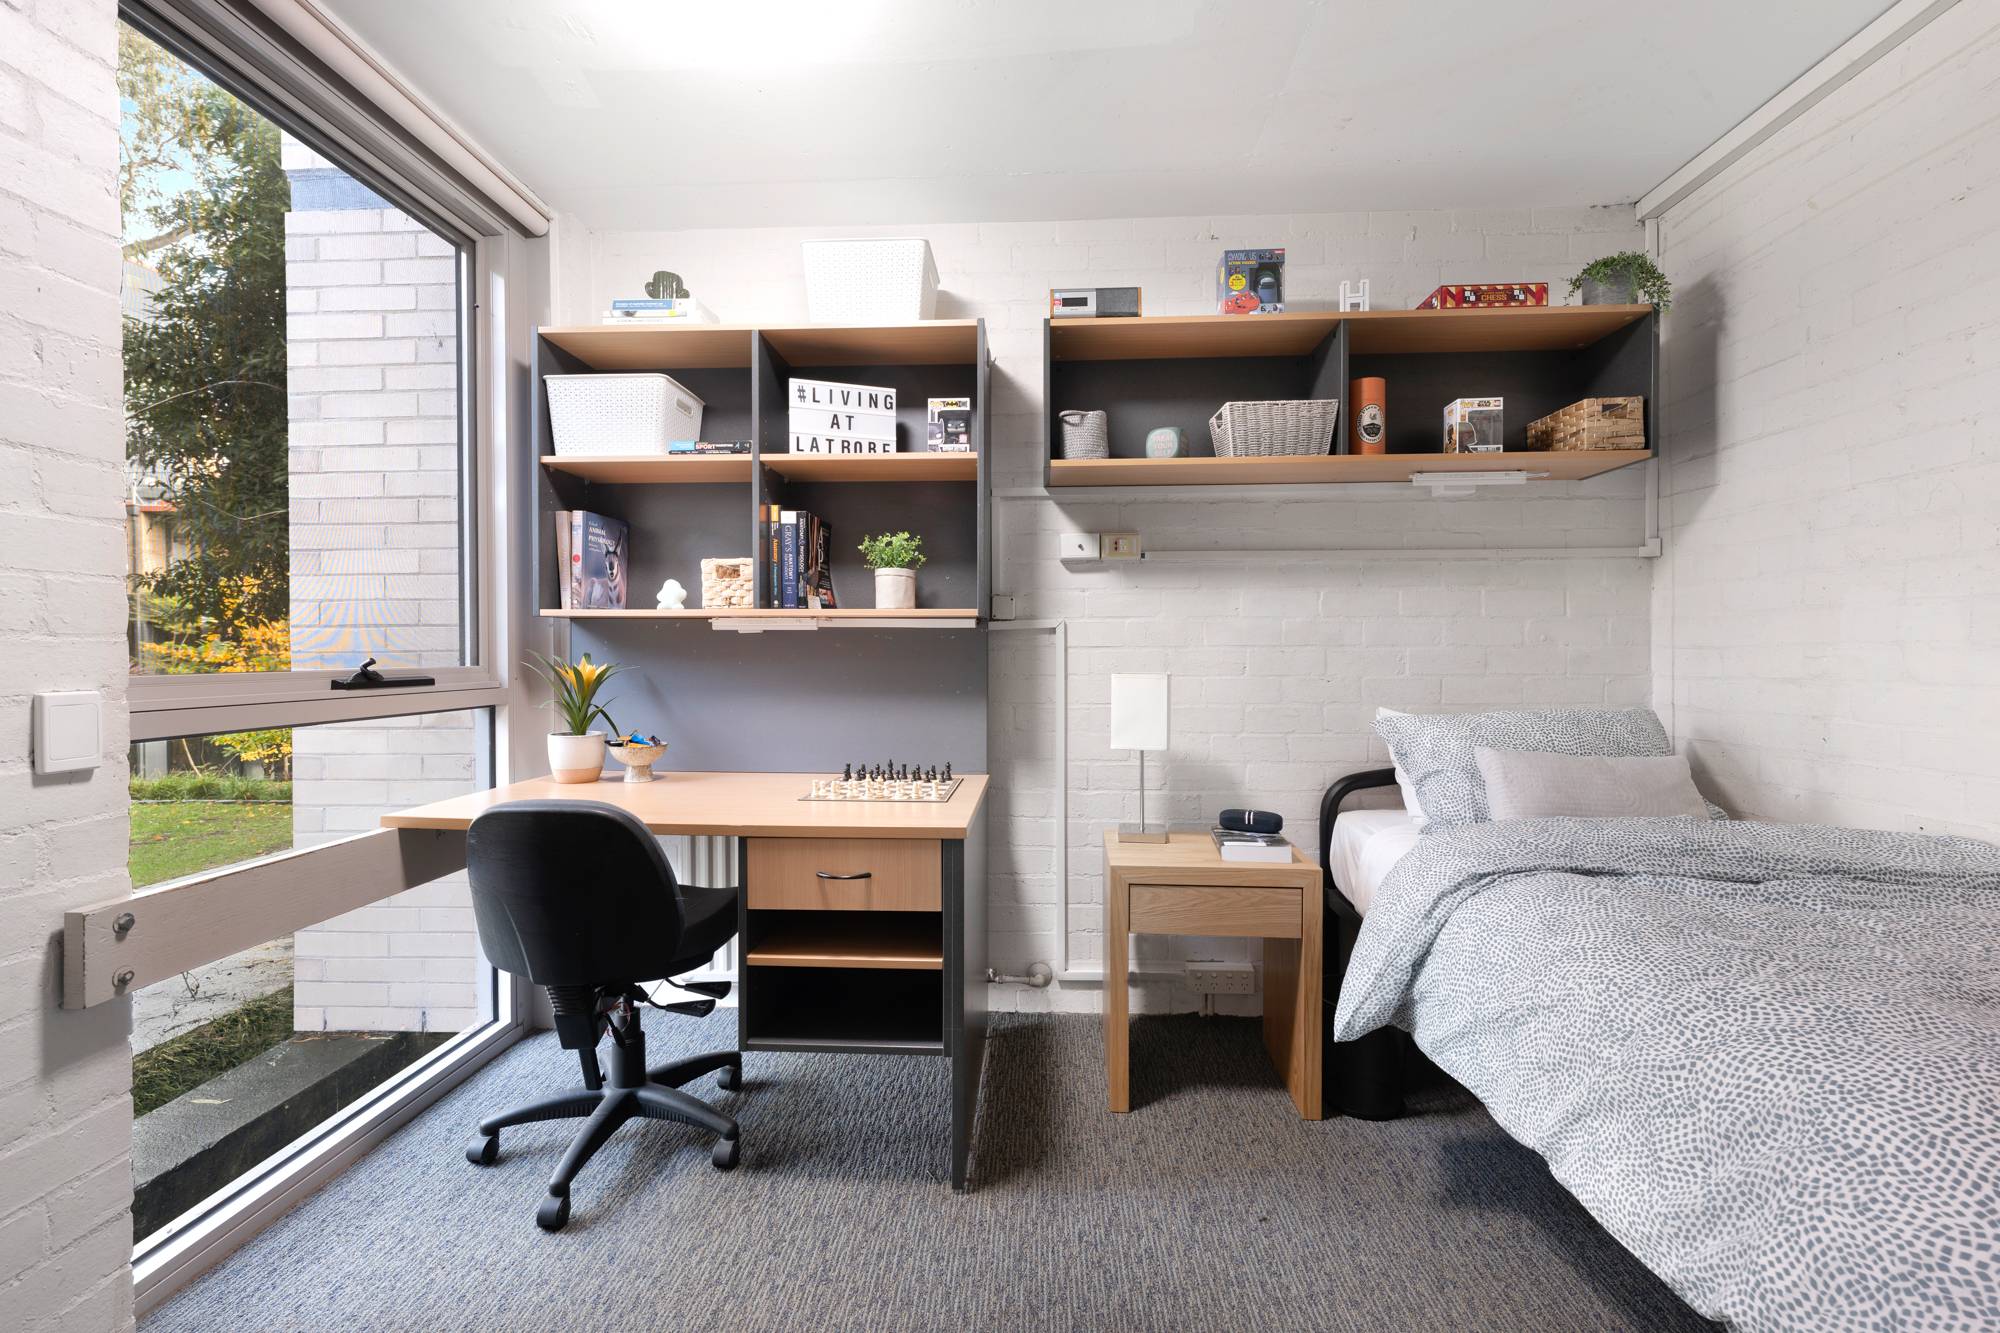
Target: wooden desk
{"type": "Point", "coordinates": [862, 925]}
{"type": "Point", "coordinates": [1184, 887]}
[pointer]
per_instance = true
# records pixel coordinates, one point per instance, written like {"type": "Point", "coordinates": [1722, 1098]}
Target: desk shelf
{"type": "Point", "coordinates": [881, 1010]}
{"type": "Point", "coordinates": [890, 941]}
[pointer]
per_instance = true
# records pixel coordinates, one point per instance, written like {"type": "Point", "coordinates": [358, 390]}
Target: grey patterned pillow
{"type": "Point", "coordinates": [1436, 749]}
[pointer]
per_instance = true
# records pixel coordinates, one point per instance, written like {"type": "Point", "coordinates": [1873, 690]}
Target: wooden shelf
{"type": "Point", "coordinates": [838, 939]}
{"type": "Point", "coordinates": [885, 467]}
{"type": "Point", "coordinates": [930, 342]}
{"type": "Point", "coordinates": [857, 615]}
{"type": "Point", "coordinates": [1327, 469]}
{"type": "Point", "coordinates": [666, 347]}
{"type": "Point", "coordinates": [1371, 332]}
{"type": "Point", "coordinates": [705, 471]}
{"type": "Point", "coordinates": [1551, 328]}
{"type": "Point", "coordinates": [1165, 337]}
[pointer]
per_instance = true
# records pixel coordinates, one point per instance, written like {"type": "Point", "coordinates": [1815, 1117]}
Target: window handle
{"type": "Point", "coordinates": [859, 874]}
{"type": "Point", "coordinates": [367, 678]}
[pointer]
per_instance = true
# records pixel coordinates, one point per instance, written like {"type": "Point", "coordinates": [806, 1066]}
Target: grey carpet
{"type": "Point", "coordinates": [1211, 1206]}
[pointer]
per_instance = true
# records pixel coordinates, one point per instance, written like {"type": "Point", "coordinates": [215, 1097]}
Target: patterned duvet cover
{"type": "Point", "coordinates": [1765, 1057]}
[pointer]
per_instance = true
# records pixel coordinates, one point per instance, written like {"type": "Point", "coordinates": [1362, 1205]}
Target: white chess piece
{"type": "Point", "coordinates": [673, 597]}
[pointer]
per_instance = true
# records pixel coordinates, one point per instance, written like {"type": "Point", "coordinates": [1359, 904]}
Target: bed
{"type": "Point", "coordinates": [1765, 1057]}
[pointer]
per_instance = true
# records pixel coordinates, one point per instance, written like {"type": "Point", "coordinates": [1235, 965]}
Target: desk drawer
{"type": "Point", "coordinates": [1190, 909]}
{"type": "Point", "coordinates": [843, 874]}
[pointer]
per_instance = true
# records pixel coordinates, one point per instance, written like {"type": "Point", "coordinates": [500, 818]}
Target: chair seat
{"type": "Point", "coordinates": [708, 921]}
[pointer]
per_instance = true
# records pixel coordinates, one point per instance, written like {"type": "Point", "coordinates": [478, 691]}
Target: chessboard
{"type": "Point", "coordinates": [910, 785]}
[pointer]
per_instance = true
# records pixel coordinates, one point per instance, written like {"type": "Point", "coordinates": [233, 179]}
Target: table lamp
{"type": "Point", "coordinates": [1139, 722]}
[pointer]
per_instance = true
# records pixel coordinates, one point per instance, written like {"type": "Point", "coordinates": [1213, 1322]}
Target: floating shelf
{"type": "Point", "coordinates": [1169, 337]}
{"type": "Point", "coordinates": [886, 467]}
{"type": "Point", "coordinates": [857, 617]}
{"type": "Point", "coordinates": [1330, 469]}
{"type": "Point", "coordinates": [836, 939]}
{"type": "Point", "coordinates": [708, 471]}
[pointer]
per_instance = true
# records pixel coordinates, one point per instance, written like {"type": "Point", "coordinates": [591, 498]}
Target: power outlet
{"type": "Point", "coordinates": [1222, 978]}
{"type": "Point", "coordinates": [1121, 546]}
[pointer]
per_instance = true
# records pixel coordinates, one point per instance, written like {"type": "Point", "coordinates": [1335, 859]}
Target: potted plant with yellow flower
{"type": "Point", "coordinates": [576, 753]}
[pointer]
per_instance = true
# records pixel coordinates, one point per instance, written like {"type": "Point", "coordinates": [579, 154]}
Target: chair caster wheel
{"type": "Point", "coordinates": [484, 1150]}
{"type": "Point", "coordinates": [553, 1213]}
{"type": "Point", "coordinates": [729, 1078]}
{"type": "Point", "coordinates": [726, 1153]}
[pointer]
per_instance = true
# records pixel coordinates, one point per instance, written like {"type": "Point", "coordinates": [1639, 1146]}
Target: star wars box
{"type": "Point", "coordinates": [1473, 425]}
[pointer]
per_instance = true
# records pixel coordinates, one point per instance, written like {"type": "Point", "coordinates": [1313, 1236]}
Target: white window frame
{"type": "Point", "coordinates": [163, 707]}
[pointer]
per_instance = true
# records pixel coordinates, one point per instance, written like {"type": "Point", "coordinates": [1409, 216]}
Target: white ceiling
{"type": "Point", "coordinates": [633, 114]}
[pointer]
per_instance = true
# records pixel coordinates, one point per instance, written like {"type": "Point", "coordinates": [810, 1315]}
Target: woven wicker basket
{"type": "Point", "coordinates": [1278, 427]}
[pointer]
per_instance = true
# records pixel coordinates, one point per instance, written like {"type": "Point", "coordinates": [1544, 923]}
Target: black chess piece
{"type": "Point", "coordinates": [847, 772]}
{"type": "Point", "coordinates": [947, 772]}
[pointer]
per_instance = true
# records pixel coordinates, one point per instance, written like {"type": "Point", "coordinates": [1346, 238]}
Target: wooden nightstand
{"type": "Point", "coordinates": [1184, 887]}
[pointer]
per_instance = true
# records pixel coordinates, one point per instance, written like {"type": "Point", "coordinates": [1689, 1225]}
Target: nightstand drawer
{"type": "Point", "coordinates": [1190, 909]}
{"type": "Point", "coordinates": [843, 874]}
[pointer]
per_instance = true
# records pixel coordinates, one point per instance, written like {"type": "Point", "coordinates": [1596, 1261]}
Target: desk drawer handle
{"type": "Point", "coordinates": [859, 874]}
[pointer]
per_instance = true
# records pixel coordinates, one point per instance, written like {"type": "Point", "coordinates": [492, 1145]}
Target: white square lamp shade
{"type": "Point", "coordinates": [1138, 712]}
{"type": "Point", "coordinates": [1139, 722]}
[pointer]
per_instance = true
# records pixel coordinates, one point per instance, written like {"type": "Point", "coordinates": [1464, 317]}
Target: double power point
{"type": "Point", "coordinates": [1088, 546]}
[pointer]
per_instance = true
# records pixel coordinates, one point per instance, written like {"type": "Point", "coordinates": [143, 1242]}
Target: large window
{"type": "Point", "coordinates": [301, 494]}
{"type": "Point", "coordinates": [295, 469]}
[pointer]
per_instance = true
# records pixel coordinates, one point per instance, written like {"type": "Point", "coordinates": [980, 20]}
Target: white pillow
{"type": "Point", "coordinates": [1408, 787]}
{"type": "Point", "coordinates": [1527, 784]}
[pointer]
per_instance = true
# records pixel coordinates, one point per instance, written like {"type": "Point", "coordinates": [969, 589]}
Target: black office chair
{"type": "Point", "coordinates": [577, 897]}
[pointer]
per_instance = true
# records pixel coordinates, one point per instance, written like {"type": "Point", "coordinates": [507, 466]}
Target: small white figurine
{"type": "Point", "coordinates": [1352, 299]}
{"type": "Point", "coordinates": [673, 597]}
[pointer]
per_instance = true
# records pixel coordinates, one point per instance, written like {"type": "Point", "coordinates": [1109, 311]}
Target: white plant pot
{"type": "Point", "coordinates": [895, 589]}
{"type": "Point", "coordinates": [576, 758]}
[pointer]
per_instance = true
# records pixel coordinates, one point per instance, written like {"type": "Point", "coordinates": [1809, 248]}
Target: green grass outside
{"type": "Point", "coordinates": [209, 787]}
{"type": "Point", "coordinates": [181, 1064]}
{"type": "Point", "coordinates": [176, 838]}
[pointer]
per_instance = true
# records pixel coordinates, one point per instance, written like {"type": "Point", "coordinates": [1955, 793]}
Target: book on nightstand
{"type": "Point", "coordinates": [1235, 846]}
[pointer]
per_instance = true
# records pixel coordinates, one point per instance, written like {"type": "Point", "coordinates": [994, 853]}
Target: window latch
{"type": "Point", "coordinates": [367, 678]}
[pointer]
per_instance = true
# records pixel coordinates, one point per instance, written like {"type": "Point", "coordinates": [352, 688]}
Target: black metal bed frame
{"type": "Point", "coordinates": [1363, 1078]}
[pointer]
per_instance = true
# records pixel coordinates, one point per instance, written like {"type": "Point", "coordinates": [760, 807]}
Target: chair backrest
{"type": "Point", "coordinates": [571, 893]}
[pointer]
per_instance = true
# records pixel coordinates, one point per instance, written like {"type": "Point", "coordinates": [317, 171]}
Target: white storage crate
{"type": "Point", "coordinates": [620, 414]}
{"type": "Point", "coordinates": [888, 280]}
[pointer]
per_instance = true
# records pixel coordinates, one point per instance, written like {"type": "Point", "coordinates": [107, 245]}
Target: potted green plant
{"type": "Point", "coordinates": [894, 556]}
{"type": "Point", "coordinates": [1626, 278]}
{"type": "Point", "coordinates": [576, 753]}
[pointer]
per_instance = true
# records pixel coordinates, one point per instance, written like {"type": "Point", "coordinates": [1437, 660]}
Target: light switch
{"type": "Point", "coordinates": [68, 732]}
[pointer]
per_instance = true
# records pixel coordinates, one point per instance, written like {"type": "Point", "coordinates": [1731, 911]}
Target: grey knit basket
{"type": "Point", "coordinates": [1276, 427]}
{"type": "Point", "coordinates": [1085, 434]}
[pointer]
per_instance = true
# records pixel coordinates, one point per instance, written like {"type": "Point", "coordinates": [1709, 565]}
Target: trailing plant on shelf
{"type": "Point", "coordinates": [1625, 278]}
{"type": "Point", "coordinates": [894, 556]}
{"type": "Point", "coordinates": [576, 753]}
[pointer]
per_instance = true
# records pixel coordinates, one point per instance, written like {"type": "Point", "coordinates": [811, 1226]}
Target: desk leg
{"type": "Point", "coordinates": [1117, 1005]}
{"type": "Point", "coordinates": [1293, 1013]}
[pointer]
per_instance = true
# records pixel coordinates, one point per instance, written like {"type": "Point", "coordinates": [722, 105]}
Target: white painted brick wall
{"type": "Point", "coordinates": [65, 1077]}
{"type": "Point", "coordinates": [375, 572]}
{"type": "Point", "coordinates": [1827, 617]}
{"type": "Point", "coordinates": [1278, 663]}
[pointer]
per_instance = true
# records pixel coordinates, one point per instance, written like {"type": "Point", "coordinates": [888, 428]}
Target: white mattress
{"type": "Point", "coordinates": [1366, 846]}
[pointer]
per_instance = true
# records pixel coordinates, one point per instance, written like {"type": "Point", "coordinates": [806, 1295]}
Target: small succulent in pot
{"type": "Point", "coordinates": [894, 556]}
{"type": "Point", "coordinates": [1626, 278]}
{"type": "Point", "coordinates": [576, 753]}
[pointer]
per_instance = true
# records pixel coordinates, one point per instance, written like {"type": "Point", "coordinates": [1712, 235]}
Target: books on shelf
{"type": "Point", "coordinates": [1236, 846]}
{"type": "Point", "coordinates": [798, 548]}
{"type": "Point", "coordinates": [592, 555]}
{"type": "Point", "coordinates": [649, 310]}
{"type": "Point", "coordinates": [706, 448]}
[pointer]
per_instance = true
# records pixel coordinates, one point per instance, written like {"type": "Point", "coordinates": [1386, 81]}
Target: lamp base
{"type": "Point", "coordinates": [1141, 833]}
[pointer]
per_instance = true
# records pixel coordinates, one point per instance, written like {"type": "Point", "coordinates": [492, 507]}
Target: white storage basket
{"type": "Point", "coordinates": [620, 414]}
{"type": "Point", "coordinates": [891, 280]}
{"type": "Point", "coordinates": [1278, 427]}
